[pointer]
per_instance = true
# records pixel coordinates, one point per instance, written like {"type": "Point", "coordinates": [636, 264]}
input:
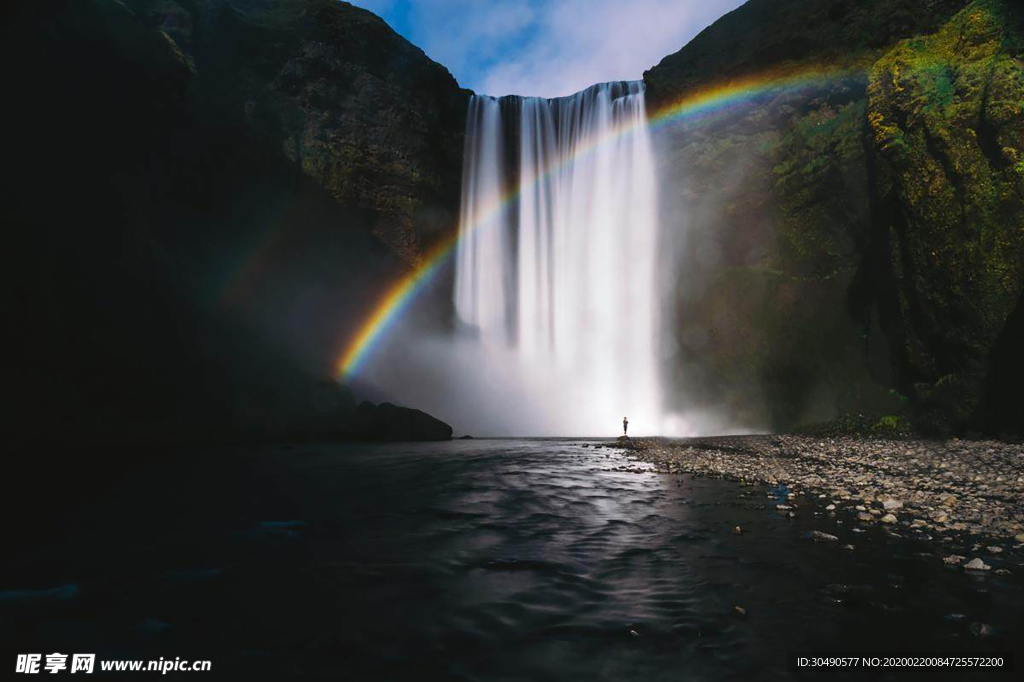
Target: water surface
{"type": "Point", "coordinates": [474, 560]}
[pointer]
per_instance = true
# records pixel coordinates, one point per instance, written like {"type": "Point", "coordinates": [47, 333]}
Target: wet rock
{"type": "Point", "coordinates": [953, 560]}
{"type": "Point", "coordinates": [740, 611]}
{"type": "Point", "coordinates": [849, 548]}
{"type": "Point", "coordinates": [982, 630]}
{"type": "Point", "coordinates": [891, 504]}
{"type": "Point", "coordinates": [992, 549]}
{"type": "Point", "coordinates": [737, 531]}
{"type": "Point", "coordinates": [976, 564]}
{"type": "Point", "coordinates": [819, 536]}
{"type": "Point", "coordinates": [830, 507]}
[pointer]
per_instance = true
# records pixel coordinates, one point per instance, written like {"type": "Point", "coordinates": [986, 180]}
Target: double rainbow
{"type": "Point", "coordinates": [705, 102]}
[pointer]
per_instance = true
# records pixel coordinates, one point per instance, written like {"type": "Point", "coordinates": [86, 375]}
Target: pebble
{"type": "Point", "coordinates": [831, 507]}
{"type": "Point", "coordinates": [737, 531]}
{"type": "Point", "coordinates": [976, 564]}
{"type": "Point", "coordinates": [889, 518]}
{"type": "Point", "coordinates": [849, 548]}
{"type": "Point", "coordinates": [994, 550]}
{"type": "Point", "coordinates": [819, 536]}
{"type": "Point", "coordinates": [863, 516]}
{"type": "Point", "coordinates": [740, 611]}
{"type": "Point", "coordinates": [953, 560]}
{"type": "Point", "coordinates": [982, 630]}
{"type": "Point", "coordinates": [971, 487]}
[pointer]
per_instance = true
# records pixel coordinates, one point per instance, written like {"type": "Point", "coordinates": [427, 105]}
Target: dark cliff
{"type": "Point", "coordinates": [204, 198]}
{"type": "Point", "coordinates": [854, 243]}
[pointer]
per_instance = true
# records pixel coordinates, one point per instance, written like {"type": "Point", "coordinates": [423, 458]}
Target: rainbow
{"type": "Point", "coordinates": [696, 105]}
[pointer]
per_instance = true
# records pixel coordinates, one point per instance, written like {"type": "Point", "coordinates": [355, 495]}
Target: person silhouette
{"type": "Point", "coordinates": [625, 425]}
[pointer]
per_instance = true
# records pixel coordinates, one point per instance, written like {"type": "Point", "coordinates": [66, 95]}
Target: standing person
{"type": "Point", "coordinates": [625, 425]}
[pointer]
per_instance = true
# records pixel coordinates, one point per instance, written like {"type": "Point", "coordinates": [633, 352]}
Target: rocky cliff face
{"type": "Point", "coordinates": [208, 196]}
{"type": "Point", "coordinates": [332, 87]}
{"type": "Point", "coordinates": [854, 241]}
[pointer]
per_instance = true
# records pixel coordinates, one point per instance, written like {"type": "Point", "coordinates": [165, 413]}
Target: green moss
{"type": "Point", "coordinates": [945, 120]}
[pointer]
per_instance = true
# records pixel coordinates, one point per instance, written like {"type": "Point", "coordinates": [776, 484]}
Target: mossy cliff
{"type": "Point", "coordinates": [946, 121]}
{"type": "Point", "coordinates": [207, 197]}
{"type": "Point", "coordinates": [853, 243]}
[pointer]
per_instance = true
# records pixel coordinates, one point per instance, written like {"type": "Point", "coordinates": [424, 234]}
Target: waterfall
{"type": "Point", "coordinates": [555, 267]}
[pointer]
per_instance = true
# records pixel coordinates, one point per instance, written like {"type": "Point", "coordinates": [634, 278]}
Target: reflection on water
{"type": "Point", "coordinates": [478, 560]}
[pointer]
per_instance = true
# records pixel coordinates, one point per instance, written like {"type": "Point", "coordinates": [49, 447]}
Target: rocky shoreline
{"type": "Point", "coordinates": [965, 494]}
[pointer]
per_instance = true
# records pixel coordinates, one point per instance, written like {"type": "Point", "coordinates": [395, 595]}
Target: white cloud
{"type": "Point", "coordinates": [548, 47]}
{"type": "Point", "coordinates": [582, 42]}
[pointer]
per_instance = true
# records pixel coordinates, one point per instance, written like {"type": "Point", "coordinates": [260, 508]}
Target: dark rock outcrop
{"type": "Point", "coordinates": [854, 240]}
{"type": "Point", "coordinates": [387, 422]}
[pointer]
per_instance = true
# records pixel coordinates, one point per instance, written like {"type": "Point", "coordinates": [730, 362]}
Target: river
{"type": "Point", "coordinates": [473, 560]}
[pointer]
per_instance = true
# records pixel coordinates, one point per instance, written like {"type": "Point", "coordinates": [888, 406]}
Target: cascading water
{"type": "Point", "coordinates": [555, 267]}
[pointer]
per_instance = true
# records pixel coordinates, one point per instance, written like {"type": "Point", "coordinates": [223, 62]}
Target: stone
{"type": "Point", "coordinates": [982, 630]}
{"type": "Point", "coordinates": [976, 564]}
{"type": "Point", "coordinates": [830, 507]}
{"type": "Point", "coordinates": [891, 504]}
{"type": "Point", "coordinates": [888, 518]}
{"type": "Point", "coordinates": [819, 536]}
{"type": "Point", "coordinates": [953, 560]}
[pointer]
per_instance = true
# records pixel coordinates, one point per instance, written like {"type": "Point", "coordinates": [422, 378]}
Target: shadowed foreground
{"type": "Point", "coordinates": [473, 560]}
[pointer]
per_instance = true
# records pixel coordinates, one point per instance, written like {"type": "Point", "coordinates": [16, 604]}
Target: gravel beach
{"type": "Point", "coordinates": [966, 492]}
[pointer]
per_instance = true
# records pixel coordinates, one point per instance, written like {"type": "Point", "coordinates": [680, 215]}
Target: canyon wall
{"type": "Point", "coordinates": [206, 197]}
{"type": "Point", "coordinates": [850, 247]}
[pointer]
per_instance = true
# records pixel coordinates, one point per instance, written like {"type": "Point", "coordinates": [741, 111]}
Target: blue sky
{"type": "Point", "coordinates": [547, 47]}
